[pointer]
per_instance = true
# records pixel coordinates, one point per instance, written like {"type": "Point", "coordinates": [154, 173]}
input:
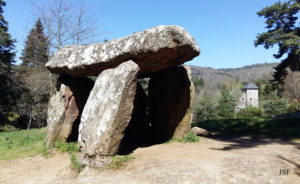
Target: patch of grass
{"type": "Point", "coordinates": [189, 138]}
{"type": "Point", "coordinates": [75, 164]}
{"type": "Point", "coordinates": [285, 128]}
{"type": "Point", "coordinates": [22, 143]}
{"type": "Point", "coordinates": [118, 161]}
{"type": "Point", "coordinates": [69, 147]}
{"type": "Point", "coordinates": [25, 143]}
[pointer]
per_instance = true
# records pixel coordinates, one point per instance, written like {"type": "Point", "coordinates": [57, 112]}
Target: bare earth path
{"type": "Point", "coordinates": [240, 160]}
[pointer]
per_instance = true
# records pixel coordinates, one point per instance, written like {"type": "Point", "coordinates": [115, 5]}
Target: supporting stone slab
{"type": "Point", "coordinates": [65, 108]}
{"type": "Point", "coordinates": [108, 111]}
{"type": "Point", "coordinates": [171, 94]}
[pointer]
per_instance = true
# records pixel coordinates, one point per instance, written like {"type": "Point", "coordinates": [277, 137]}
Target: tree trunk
{"type": "Point", "coordinates": [29, 123]}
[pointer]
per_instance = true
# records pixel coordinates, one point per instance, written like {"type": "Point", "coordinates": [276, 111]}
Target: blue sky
{"type": "Point", "coordinates": [224, 30]}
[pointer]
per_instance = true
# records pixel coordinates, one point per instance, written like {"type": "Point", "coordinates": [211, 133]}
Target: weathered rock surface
{"type": "Point", "coordinates": [200, 132]}
{"type": "Point", "coordinates": [65, 107]}
{"type": "Point", "coordinates": [171, 94]}
{"type": "Point", "coordinates": [108, 111]}
{"type": "Point", "coordinates": [153, 50]}
{"type": "Point", "coordinates": [95, 161]}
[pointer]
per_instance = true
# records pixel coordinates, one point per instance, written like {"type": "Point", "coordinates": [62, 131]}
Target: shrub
{"type": "Point", "coordinates": [190, 137]}
{"type": "Point", "coordinates": [206, 109]}
{"type": "Point", "coordinates": [7, 128]}
{"type": "Point", "coordinates": [294, 106]}
{"type": "Point", "coordinates": [249, 112]}
{"type": "Point", "coordinates": [276, 107]}
{"type": "Point", "coordinates": [226, 104]}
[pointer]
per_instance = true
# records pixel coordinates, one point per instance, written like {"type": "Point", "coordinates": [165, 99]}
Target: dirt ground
{"type": "Point", "coordinates": [218, 160]}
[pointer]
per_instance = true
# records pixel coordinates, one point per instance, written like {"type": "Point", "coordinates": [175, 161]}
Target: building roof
{"type": "Point", "coordinates": [250, 85]}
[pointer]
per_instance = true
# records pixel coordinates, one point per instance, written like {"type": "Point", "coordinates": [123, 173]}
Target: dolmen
{"type": "Point", "coordinates": [116, 110]}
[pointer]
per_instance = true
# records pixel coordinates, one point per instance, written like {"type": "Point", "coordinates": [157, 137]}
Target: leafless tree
{"type": "Point", "coordinates": [67, 22]}
{"type": "Point", "coordinates": [83, 25]}
{"type": "Point", "coordinates": [292, 84]}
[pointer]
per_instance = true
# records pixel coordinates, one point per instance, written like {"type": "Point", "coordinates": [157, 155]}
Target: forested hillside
{"type": "Point", "coordinates": [244, 74]}
{"type": "Point", "coordinates": [209, 80]}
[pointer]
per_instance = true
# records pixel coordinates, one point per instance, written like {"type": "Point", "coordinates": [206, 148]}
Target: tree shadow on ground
{"type": "Point", "coordinates": [240, 142]}
{"type": "Point", "coordinates": [297, 170]}
{"type": "Point", "coordinates": [248, 133]}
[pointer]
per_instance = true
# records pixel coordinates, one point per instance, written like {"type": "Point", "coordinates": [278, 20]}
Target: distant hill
{"type": "Point", "coordinates": [244, 74]}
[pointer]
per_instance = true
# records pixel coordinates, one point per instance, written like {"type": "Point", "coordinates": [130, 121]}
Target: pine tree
{"type": "Point", "coordinates": [36, 48]}
{"type": "Point", "coordinates": [206, 109]}
{"type": "Point", "coordinates": [35, 77]}
{"type": "Point", "coordinates": [284, 31]}
{"type": "Point", "coordinates": [6, 60]}
{"type": "Point", "coordinates": [226, 104]}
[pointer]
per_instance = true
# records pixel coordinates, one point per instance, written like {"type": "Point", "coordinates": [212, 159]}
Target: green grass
{"type": "Point", "coordinates": [118, 161]}
{"type": "Point", "coordinates": [23, 143]}
{"type": "Point", "coordinates": [284, 128]}
{"type": "Point", "coordinates": [75, 164]}
{"type": "Point", "coordinates": [26, 143]}
{"type": "Point", "coordinates": [70, 147]}
{"type": "Point", "coordinates": [189, 138]}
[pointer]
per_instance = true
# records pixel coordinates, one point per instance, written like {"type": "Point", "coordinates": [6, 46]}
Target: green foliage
{"type": "Point", "coordinates": [7, 91]}
{"type": "Point", "coordinates": [33, 101]}
{"type": "Point", "coordinates": [190, 137]}
{"type": "Point", "coordinates": [34, 80]}
{"type": "Point", "coordinates": [226, 105]}
{"type": "Point", "coordinates": [36, 48]}
{"type": "Point", "coordinates": [13, 116]}
{"type": "Point", "coordinates": [199, 82]}
{"type": "Point", "coordinates": [276, 107]}
{"type": "Point", "coordinates": [206, 109]}
{"type": "Point", "coordinates": [75, 164]}
{"type": "Point", "coordinates": [22, 143]}
{"type": "Point", "coordinates": [70, 147]}
{"type": "Point", "coordinates": [286, 128]}
{"type": "Point", "coordinates": [294, 106]}
{"type": "Point", "coordinates": [7, 128]}
{"type": "Point", "coordinates": [249, 112]}
{"type": "Point", "coordinates": [284, 31]}
{"type": "Point", "coordinates": [118, 161]}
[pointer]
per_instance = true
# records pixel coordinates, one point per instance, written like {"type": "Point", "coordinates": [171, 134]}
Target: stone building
{"type": "Point", "coordinates": [249, 96]}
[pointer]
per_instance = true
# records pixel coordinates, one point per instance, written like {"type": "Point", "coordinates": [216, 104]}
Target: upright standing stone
{"type": "Point", "coordinates": [171, 93]}
{"type": "Point", "coordinates": [65, 108]}
{"type": "Point", "coordinates": [108, 111]}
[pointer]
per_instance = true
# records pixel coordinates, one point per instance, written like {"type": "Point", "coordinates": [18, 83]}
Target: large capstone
{"type": "Point", "coordinates": [65, 108]}
{"type": "Point", "coordinates": [108, 111]}
{"type": "Point", "coordinates": [153, 50]}
{"type": "Point", "coordinates": [171, 93]}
